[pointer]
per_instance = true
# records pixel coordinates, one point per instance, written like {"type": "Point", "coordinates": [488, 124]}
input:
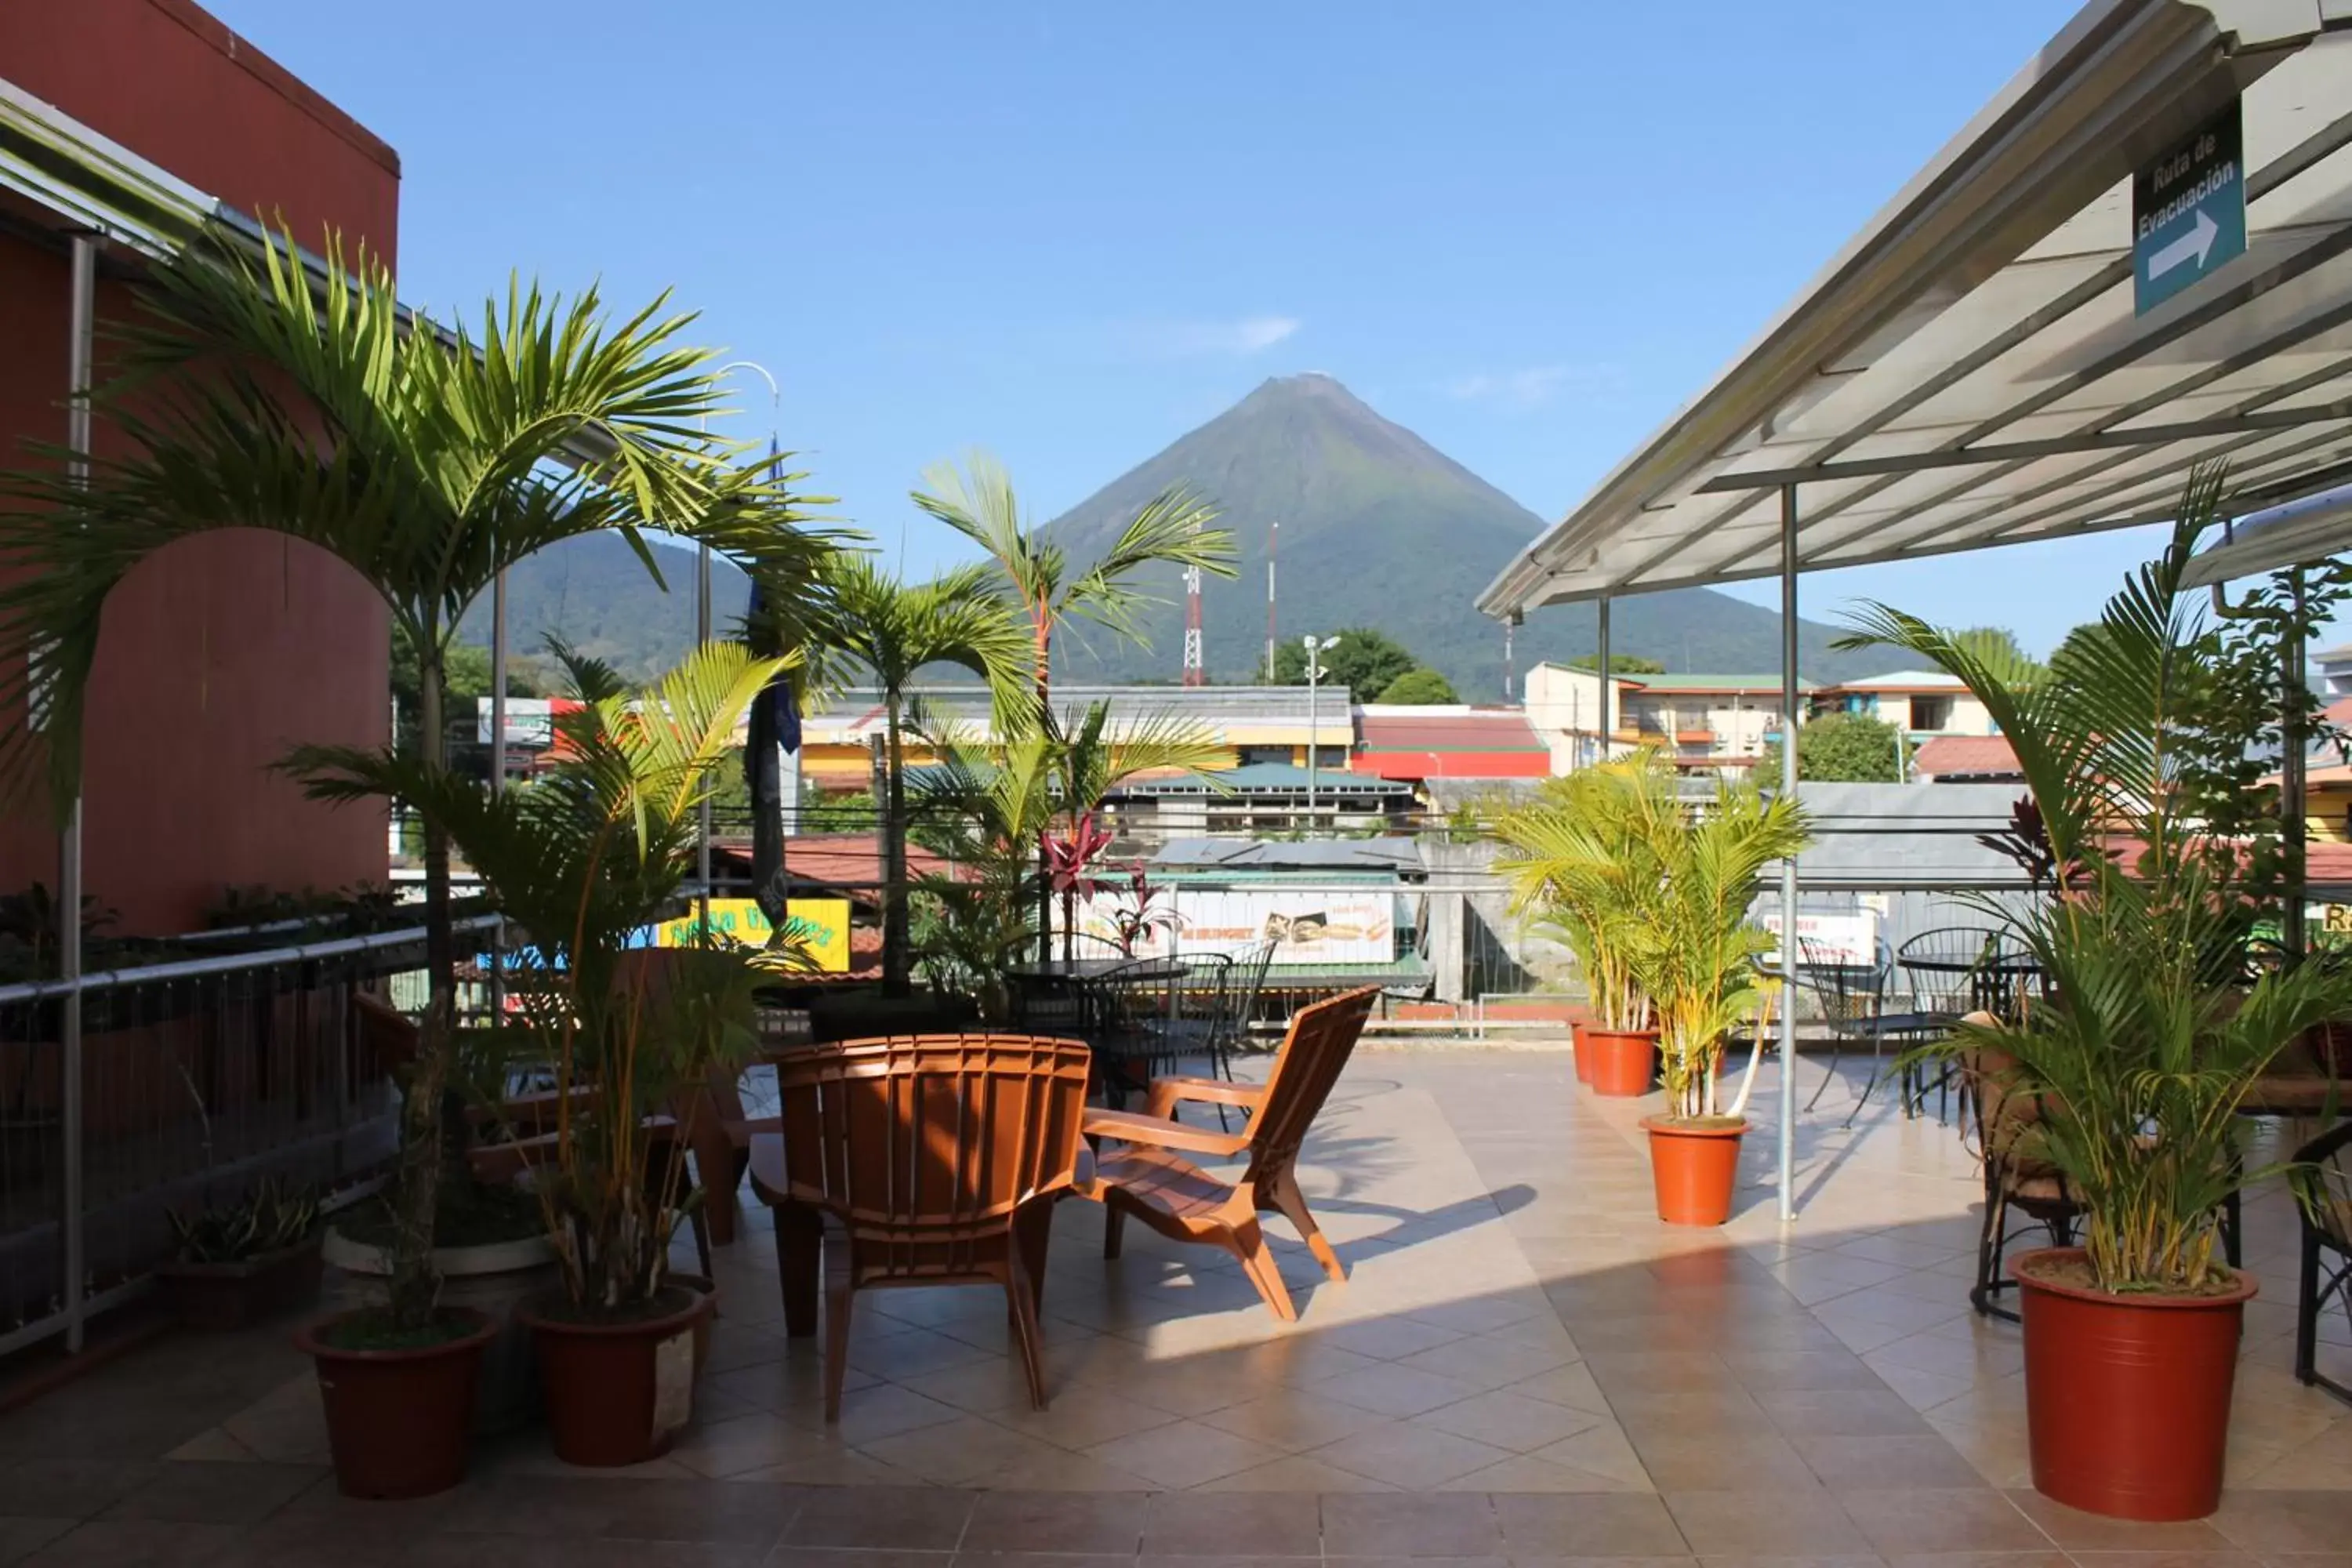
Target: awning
{"type": "Point", "coordinates": [1969, 371]}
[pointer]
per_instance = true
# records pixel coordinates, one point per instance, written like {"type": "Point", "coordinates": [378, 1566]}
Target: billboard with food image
{"type": "Point", "coordinates": [1307, 926]}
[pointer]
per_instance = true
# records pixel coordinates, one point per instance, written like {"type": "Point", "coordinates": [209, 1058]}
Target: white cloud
{"type": "Point", "coordinates": [1533, 386]}
{"type": "Point", "coordinates": [1236, 339]}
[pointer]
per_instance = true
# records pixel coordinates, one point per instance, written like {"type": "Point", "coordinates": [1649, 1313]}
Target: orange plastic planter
{"type": "Point", "coordinates": [2127, 1398]}
{"type": "Point", "coordinates": [1694, 1168]}
{"type": "Point", "coordinates": [1577, 1028]}
{"type": "Point", "coordinates": [1624, 1061]}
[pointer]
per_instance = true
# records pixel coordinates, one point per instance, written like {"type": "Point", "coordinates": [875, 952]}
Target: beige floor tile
{"type": "Point", "coordinates": [1410, 1456]}
{"type": "Point", "coordinates": [1508, 1420]}
{"type": "Point", "coordinates": [1293, 1420]}
{"type": "Point", "coordinates": [1183, 1453]}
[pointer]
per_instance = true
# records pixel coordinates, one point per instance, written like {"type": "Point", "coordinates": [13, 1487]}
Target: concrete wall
{"type": "Point", "coordinates": [216, 656]}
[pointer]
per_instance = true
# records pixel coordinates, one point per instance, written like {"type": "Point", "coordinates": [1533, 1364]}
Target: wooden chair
{"type": "Point", "coordinates": [1149, 1177]}
{"type": "Point", "coordinates": [929, 1160]}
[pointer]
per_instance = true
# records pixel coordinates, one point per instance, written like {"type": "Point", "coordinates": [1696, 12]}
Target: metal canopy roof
{"type": "Point", "coordinates": [1968, 371]}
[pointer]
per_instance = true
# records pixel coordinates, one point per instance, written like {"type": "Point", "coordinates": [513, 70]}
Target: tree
{"type": "Point", "coordinates": [1619, 664]}
{"type": "Point", "coordinates": [1839, 748]}
{"type": "Point", "coordinates": [427, 460]}
{"type": "Point", "coordinates": [465, 673]}
{"type": "Point", "coordinates": [1996, 649]}
{"type": "Point", "coordinates": [1171, 529]}
{"type": "Point", "coordinates": [1419, 684]}
{"type": "Point", "coordinates": [1365, 660]}
{"type": "Point", "coordinates": [889, 630]}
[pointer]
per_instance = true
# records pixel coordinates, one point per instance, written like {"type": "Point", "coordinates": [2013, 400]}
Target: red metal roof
{"type": "Point", "coordinates": [837, 859]}
{"type": "Point", "coordinates": [1496, 731]}
{"type": "Point", "coordinates": [1966, 756]}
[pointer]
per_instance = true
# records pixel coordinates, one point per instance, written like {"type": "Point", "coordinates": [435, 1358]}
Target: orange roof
{"type": "Point", "coordinates": [1966, 756]}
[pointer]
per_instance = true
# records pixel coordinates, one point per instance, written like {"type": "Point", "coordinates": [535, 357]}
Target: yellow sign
{"type": "Point", "coordinates": [820, 925]}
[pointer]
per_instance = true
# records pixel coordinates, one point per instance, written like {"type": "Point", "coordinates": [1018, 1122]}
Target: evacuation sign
{"type": "Point", "coordinates": [2189, 210]}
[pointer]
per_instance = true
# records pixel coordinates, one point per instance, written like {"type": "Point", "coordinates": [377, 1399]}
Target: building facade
{"type": "Point", "coordinates": [220, 653]}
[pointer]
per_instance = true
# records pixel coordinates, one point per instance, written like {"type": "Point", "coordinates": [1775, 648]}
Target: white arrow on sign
{"type": "Point", "coordinates": [2198, 242]}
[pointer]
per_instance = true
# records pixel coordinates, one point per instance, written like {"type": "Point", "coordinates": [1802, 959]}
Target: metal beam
{"type": "Point", "coordinates": [80, 357]}
{"type": "Point", "coordinates": [1789, 867]}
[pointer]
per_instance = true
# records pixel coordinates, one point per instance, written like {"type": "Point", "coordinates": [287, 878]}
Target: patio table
{"type": "Point", "coordinates": [2294, 1088]}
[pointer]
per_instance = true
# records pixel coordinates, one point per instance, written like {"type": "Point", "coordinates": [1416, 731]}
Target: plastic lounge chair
{"type": "Point", "coordinates": [930, 1160]}
{"type": "Point", "coordinates": [1147, 1173]}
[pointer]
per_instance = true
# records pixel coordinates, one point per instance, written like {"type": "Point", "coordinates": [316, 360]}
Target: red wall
{"type": "Point", "coordinates": [217, 654]}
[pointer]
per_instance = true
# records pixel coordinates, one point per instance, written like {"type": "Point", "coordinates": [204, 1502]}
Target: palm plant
{"type": "Point", "coordinates": [1170, 530]}
{"type": "Point", "coordinates": [1583, 854]}
{"type": "Point", "coordinates": [2145, 1043]}
{"type": "Point", "coordinates": [1694, 954]}
{"type": "Point", "coordinates": [428, 460]}
{"type": "Point", "coordinates": [890, 630]}
{"type": "Point", "coordinates": [585, 860]}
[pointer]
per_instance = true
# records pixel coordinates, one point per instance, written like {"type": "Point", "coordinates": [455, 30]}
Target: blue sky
{"type": "Point", "coordinates": [1069, 233]}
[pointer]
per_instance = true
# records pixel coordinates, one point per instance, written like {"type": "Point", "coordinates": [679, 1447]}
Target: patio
{"type": "Point", "coordinates": [1521, 1342]}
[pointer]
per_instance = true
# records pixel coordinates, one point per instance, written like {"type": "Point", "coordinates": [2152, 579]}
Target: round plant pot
{"type": "Point", "coordinates": [2126, 1397]}
{"type": "Point", "coordinates": [398, 1420]}
{"type": "Point", "coordinates": [1694, 1165]}
{"type": "Point", "coordinates": [1576, 1029]}
{"type": "Point", "coordinates": [493, 1280]}
{"type": "Point", "coordinates": [1623, 1060]}
{"type": "Point", "coordinates": [616, 1393]}
{"type": "Point", "coordinates": [706, 1288]}
{"type": "Point", "coordinates": [218, 1297]}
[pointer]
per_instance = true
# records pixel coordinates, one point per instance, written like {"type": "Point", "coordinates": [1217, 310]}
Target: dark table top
{"type": "Point", "coordinates": [1136, 969]}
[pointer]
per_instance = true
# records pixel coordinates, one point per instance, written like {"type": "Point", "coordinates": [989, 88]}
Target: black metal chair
{"type": "Point", "coordinates": [2019, 1179]}
{"type": "Point", "coordinates": [1248, 984]}
{"type": "Point", "coordinates": [1852, 1001]}
{"type": "Point", "coordinates": [1953, 971]}
{"type": "Point", "coordinates": [2324, 1184]}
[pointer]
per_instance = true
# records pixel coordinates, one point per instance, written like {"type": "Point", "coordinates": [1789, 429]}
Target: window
{"type": "Point", "coordinates": [1931, 712]}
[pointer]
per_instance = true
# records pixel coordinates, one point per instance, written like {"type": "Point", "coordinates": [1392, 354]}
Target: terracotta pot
{"type": "Point", "coordinates": [617, 1393]}
{"type": "Point", "coordinates": [1623, 1060]}
{"type": "Point", "coordinates": [223, 1296]}
{"type": "Point", "coordinates": [398, 1420]}
{"type": "Point", "coordinates": [492, 1278]}
{"type": "Point", "coordinates": [1576, 1028]}
{"type": "Point", "coordinates": [1694, 1167]}
{"type": "Point", "coordinates": [2127, 1398]}
{"type": "Point", "coordinates": [705, 1287]}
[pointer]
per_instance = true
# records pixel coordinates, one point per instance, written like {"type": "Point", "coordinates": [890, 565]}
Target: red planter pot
{"type": "Point", "coordinates": [617, 1393]}
{"type": "Point", "coordinates": [1624, 1061]}
{"type": "Point", "coordinates": [1694, 1168]}
{"type": "Point", "coordinates": [2127, 1398]}
{"type": "Point", "coordinates": [228, 1296]}
{"type": "Point", "coordinates": [398, 1420]}
{"type": "Point", "coordinates": [1583, 1054]}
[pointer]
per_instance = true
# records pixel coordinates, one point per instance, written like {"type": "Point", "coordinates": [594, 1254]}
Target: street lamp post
{"type": "Point", "coordinates": [1315, 648]}
{"type": "Point", "coordinates": [701, 636]}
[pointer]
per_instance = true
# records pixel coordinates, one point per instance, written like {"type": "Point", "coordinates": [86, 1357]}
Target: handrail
{"type": "Point", "coordinates": [225, 963]}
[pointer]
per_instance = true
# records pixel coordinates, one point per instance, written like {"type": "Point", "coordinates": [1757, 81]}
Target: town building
{"type": "Point", "coordinates": [1921, 703]}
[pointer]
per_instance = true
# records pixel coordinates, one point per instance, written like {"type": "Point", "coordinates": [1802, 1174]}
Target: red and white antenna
{"type": "Point", "coordinates": [1193, 674]}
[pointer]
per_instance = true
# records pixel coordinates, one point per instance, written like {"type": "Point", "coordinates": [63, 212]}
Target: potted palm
{"type": "Point", "coordinates": [240, 1262]}
{"type": "Point", "coordinates": [586, 861]}
{"type": "Point", "coordinates": [1695, 956]}
{"type": "Point", "coordinates": [1583, 855]}
{"type": "Point", "coordinates": [2137, 1054]}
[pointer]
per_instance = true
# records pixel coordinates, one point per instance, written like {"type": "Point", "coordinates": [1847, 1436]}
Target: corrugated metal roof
{"type": "Point", "coordinates": [859, 709]}
{"type": "Point", "coordinates": [1499, 731]}
{"type": "Point", "coordinates": [1266, 778]}
{"type": "Point", "coordinates": [1961, 756]}
{"type": "Point", "coordinates": [1971, 370]}
{"type": "Point", "coordinates": [1390, 854]}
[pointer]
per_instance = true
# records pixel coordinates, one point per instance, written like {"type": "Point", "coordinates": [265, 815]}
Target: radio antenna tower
{"type": "Point", "coordinates": [1272, 538]}
{"type": "Point", "coordinates": [1194, 674]}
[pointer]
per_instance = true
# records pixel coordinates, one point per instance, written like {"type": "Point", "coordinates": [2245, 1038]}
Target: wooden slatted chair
{"type": "Point", "coordinates": [928, 1159]}
{"type": "Point", "coordinates": [1149, 1177]}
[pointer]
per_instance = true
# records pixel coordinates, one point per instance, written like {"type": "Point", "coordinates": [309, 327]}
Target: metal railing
{"type": "Point", "coordinates": [195, 1079]}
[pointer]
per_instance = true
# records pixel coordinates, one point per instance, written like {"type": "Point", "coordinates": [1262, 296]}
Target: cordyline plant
{"type": "Point", "coordinates": [2147, 1038]}
{"type": "Point", "coordinates": [248, 393]}
{"type": "Point", "coordinates": [586, 860]}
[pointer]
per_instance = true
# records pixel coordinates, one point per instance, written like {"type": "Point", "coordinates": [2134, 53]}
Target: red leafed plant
{"type": "Point", "coordinates": [1133, 924]}
{"type": "Point", "coordinates": [1069, 859]}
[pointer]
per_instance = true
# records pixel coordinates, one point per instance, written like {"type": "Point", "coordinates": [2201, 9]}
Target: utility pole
{"type": "Point", "coordinates": [1315, 647]}
{"type": "Point", "coordinates": [1272, 538]}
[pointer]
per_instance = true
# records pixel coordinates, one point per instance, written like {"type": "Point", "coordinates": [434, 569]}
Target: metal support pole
{"type": "Point", "coordinates": [497, 769]}
{"type": "Point", "coordinates": [82, 335]}
{"type": "Point", "coordinates": [702, 813]}
{"type": "Point", "coordinates": [2294, 825]}
{"type": "Point", "coordinates": [1608, 687]}
{"type": "Point", "coordinates": [1789, 867]}
{"type": "Point", "coordinates": [1314, 669]}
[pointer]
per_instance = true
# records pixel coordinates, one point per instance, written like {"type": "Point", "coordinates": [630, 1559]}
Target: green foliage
{"type": "Point", "coordinates": [584, 860]}
{"type": "Point", "coordinates": [1838, 747]}
{"type": "Point", "coordinates": [276, 1215]}
{"type": "Point", "coordinates": [2147, 1038]}
{"type": "Point", "coordinates": [1619, 664]}
{"type": "Point", "coordinates": [1366, 660]}
{"type": "Point", "coordinates": [1996, 649]}
{"type": "Point", "coordinates": [1419, 684]}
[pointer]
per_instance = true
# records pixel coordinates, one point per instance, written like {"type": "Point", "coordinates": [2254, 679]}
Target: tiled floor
{"type": "Point", "coordinates": [1524, 1365]}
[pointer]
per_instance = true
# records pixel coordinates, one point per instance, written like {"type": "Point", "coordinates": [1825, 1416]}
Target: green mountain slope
{"type": "Point", "coordinates": [1378, 528]}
